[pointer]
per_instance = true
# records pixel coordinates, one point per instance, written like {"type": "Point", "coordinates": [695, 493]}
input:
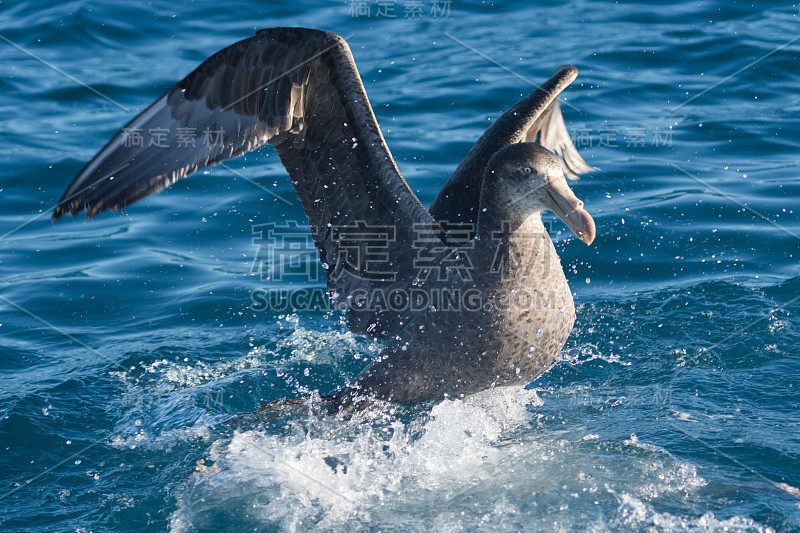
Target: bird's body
{"type": "Point", "coordinates": [495, 329]}
{"type": "Point", "coordinates": [497, 307]}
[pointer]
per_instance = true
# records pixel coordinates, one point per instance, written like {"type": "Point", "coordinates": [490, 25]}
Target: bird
{"type": "Point", "coordinates": [468, 295]}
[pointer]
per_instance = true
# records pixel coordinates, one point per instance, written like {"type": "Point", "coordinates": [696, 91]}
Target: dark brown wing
{"type": "Point", "coordinates": [299, 90]}
{"type": "Point", "coordinates": [535, 118]}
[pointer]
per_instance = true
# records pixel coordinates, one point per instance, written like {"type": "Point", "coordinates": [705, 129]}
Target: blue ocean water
{"type": "Point", "coordinates": [128, 340]}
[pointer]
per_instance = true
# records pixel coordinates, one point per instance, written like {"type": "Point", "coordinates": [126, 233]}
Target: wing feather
{"type": "Point", "coordinates": [299, 90]}
{"type": "Point", "coordinates": [535, 117]}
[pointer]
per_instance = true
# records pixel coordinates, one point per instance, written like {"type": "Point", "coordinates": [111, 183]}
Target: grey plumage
{"type": "Point", "coordinates": [299, 90]}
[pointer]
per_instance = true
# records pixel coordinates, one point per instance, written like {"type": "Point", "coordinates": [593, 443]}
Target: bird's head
{"type": "Point", "coordinates": [526, 178]}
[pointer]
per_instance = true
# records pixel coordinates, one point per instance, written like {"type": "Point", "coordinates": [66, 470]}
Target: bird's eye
{"type": "Point", "coordinates": [527, 170]}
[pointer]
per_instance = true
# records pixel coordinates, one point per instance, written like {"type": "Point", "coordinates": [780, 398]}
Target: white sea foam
{"type": "Point", "coordinates": [487, 462]}
{"type": "Point", "coordinates": [577, 355]}
{"type": "Point", "coordinates": [478, 463]}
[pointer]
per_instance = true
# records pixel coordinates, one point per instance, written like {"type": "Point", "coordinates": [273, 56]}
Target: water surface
{"type": "Point", "coordinates": [126, 341]}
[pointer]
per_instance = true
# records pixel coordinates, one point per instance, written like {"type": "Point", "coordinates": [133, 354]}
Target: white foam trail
{"type": "Point", "coordinates": [482, 463]}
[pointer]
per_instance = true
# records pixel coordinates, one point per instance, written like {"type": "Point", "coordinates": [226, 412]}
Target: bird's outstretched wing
{"type": "Point", "coordinates": [299, 90]}
{"type": "Point", "coordinates": [535, 118]}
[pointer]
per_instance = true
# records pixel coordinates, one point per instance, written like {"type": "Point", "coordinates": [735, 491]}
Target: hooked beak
{"type": "Point", "coordinates": [568, 208]}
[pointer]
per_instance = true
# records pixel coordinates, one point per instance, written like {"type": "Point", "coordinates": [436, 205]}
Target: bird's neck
{"type": "Point", "coordinates": [500, 215]}
{"type": "Point", "coordinates": [518, 247]}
